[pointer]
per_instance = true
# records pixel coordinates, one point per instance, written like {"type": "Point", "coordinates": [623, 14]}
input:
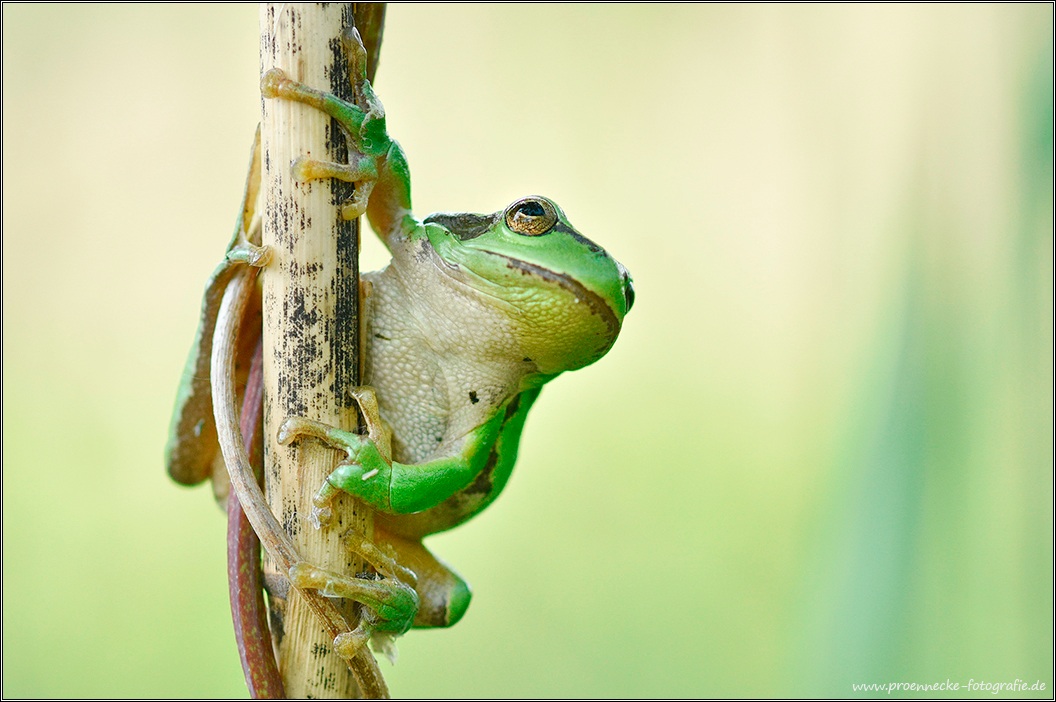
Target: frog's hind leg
{"type": "Point", "coordinates": [359, 120]}
{"type": "Point", "coordinates": [276, 84]}
{"type": "Point", "coordinates": [356, 117]}
{"type": "Point", "coordinates": [356, 58]}
{"type": "Point", "coordinates": [360, 170]}
{"type": "Point", "coordinates": [389, 605]}
{"type": "Point", "coordinates": [443, 596]}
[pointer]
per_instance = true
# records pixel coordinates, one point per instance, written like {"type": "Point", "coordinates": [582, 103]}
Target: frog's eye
{"type": "Point", "coordinates": [531, 216]}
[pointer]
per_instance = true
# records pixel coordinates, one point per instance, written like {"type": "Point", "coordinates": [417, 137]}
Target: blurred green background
{"type": "Point", "coordinates": [820, 454]}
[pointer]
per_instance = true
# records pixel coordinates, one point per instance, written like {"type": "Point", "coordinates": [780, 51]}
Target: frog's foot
{"type": "Point", "coordinates": [385, 563]}
{"type": "Point", "coordinates": [365, 472]}
{"type": "Point", "coordinates": [390, 605]}
{"type": "Point", "coordinates": [378, 429]}
{"type": "Point", "coordinates": [361, 171]}
{"type": "Point", "coordinates": [362, 120]}
{"type": "Point", "coordinates": [349, 644]}
{"type": "Point", "coordinates": [356, 56]}
{"type": "Point", "coordinates": [354, 117]}
{"type": "Point", "coordinates": [382, 561]}
{"type": "Point", "coordinates": [245, 252]}
{"type": "Point", "coordinates": [295, 428]}
{"type": "Point", "coordinates": [276, 84]}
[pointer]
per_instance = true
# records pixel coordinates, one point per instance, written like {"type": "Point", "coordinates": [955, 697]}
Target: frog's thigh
{"type": "Point", "coordinates": [443, 595]}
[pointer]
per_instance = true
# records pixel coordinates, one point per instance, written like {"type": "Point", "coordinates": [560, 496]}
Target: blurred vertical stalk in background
{"type": "Point", "coordinates": [935, 550]}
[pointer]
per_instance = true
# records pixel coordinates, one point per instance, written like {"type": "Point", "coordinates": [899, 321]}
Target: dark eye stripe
{"type": "Point", "coordinates": [464, 225]}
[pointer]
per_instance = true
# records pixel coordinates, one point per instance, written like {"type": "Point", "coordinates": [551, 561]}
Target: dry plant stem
{"type": "Point", "coordinates": [249, 613]}
{"type": "Point", "coordinates": [310, 332]}
{"type": "Point", "coordinates": [243, 482]}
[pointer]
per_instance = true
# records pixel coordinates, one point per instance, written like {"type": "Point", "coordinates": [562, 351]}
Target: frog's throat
{"type": "Point", "coordinates": [594, 301]}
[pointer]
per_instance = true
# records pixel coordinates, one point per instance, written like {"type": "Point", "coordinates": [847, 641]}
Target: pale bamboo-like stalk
{"type": "Point", "coordinates": [310, 333]}
{"type": "Point", "coordinates": [276, 542]}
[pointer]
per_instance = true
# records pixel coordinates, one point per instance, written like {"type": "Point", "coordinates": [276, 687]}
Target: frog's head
{"type": "Point", "coordinates": [564, 297]}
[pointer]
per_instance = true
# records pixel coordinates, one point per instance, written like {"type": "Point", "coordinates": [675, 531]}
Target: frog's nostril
{"type": "Point", "coordinates": [628, 288]}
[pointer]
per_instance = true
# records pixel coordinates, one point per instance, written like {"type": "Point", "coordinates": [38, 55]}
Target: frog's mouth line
{"type": "Point", "coordinates": [593, 300]}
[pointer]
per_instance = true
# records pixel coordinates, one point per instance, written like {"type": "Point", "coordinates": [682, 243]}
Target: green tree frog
{"type": "Point", "coordinates": [473, 315]}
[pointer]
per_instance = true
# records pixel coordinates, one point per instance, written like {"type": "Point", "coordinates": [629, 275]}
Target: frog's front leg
{"type": "Point", "coordinates": [387, 485]}
{"type": "Point", "coordinates": [368, 458]}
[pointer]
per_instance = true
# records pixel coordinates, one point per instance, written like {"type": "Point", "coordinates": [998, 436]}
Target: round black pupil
{"type": "Point", "coordinates": [532, 209]}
